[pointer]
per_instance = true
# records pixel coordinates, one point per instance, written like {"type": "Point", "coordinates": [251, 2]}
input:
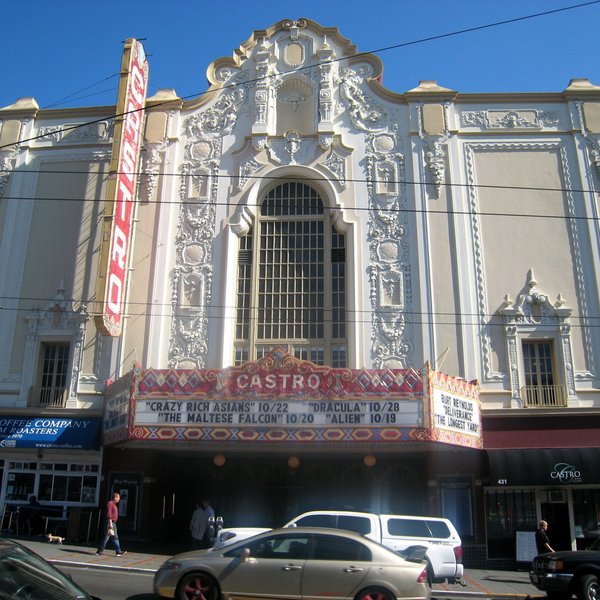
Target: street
{"type": "Point", "coordinates": [129, 585]}
{"type": "Point", "coordinates": [113, 584]}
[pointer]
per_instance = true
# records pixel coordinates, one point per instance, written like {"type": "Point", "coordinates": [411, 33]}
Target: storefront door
{"type": "Point", "coordinates": [129, 486]}
{"type": "Point", "coordinates": [557, 516]}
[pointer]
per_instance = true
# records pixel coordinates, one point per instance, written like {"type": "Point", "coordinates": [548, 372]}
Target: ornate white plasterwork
{"type": "Point", "coordinates": [594, 145]}
{"type": "Point", "coordinates": [336, 164]}
{"type": "Point", "coordinates": [8, 160]}
{"type": "Point", "coordinates": [78, 133]}
{"type": "Point", "coordinates": [247, 169]}
{"type": "Point", "coordinates": [435, 160]}
{"type": "Point", "coordinates": [533, 312]}
{"type": "Point", "coordinates": [389, 264]}
{"type": "Point", "coordinates": [488, 374]}
{"type": "Point", "coordinates": [364, 112]}
{"type": "Point", "coordinates": [509, 119]}
{"type": "Point", "coordinates": [292, 149]}
{"type": "Point", "coordinates": [152, 155]}
{"type": "Point", "coordinates": [264, 60]}
{"type": "Point", "coordinates": [326, 56]}
{"type": "Point", "coordinates": [294, 27]}
{"type": "Point", "coordinates": [219, 118]}
{"type": "Point", "coordinates": [592, 140]}
{"type": "Point", "coordinates": [193, 272]}
{"type": "Point", "coordinates": [58, 321]}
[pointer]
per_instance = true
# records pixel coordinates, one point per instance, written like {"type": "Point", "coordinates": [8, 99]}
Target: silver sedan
{"type": "Point", "coordinates": [304, 562]}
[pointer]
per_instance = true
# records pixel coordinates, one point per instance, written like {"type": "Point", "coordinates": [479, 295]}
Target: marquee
{"type": "Point", "coordinates": [280, 399]}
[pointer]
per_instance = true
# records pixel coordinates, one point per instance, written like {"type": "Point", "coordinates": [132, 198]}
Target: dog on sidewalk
{"type": "Point", "coordinates": [55, 538]}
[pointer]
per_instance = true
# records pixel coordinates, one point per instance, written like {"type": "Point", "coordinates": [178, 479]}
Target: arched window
{"type": "Point", "coordinates": [291, 289]}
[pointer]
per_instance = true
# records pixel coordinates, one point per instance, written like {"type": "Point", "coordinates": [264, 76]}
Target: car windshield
{"type": "Point", "coordinates": [26, 575]}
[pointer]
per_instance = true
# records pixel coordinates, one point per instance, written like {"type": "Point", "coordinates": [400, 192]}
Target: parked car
{"type": "Point", "coordinates": [26, 576]}
{"type": "Point", "coordinates": [567, 572]}
{"type": "Point", "coordinates": [438, 536]}
{"type": "Point", "coordinates": [294, 563]}
{"type": "Point", "coordinates": [226, 537]}
{"type": "Point", "coordinates": [401, 533]}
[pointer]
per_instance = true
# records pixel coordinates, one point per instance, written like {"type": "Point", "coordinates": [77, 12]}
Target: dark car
{"type": "Point", "coordinates": [26, 576]}
{"type": "Point", "coordinates": [562, 574]}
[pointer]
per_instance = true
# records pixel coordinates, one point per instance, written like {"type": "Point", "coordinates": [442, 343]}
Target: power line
{"type": "Point", "coordinates": [301, 179]}
{"type": "Point", "coordinates": [375, 314]}
{"type": "Point", "coordinates": [369, 209]}
{"type": "Point", "coordinates": [70, 96]}
{"type": "Point", "coordinates": [249, 82]}
{"type": "Point", "coordinates": [217, 307]}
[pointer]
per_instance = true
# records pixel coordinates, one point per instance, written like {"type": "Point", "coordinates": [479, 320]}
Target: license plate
{"type": "Point", "coordinates": [534, 578]}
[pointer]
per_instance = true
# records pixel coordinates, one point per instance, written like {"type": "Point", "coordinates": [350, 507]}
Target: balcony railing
{"type": "Point", "coordinates": [48, 397]}
{"type": "Point", "coordinates": [544, 396]}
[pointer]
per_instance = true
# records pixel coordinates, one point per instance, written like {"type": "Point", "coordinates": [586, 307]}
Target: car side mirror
{"type": "Point", "coordinates": [245, 555]}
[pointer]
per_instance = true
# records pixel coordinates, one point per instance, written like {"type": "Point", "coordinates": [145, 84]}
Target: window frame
{"type": "Point", "coordinates": [325, 350]}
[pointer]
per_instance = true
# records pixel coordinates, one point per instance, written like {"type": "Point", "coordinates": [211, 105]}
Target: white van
{"type": "Point", "coordinates": [439, 538]}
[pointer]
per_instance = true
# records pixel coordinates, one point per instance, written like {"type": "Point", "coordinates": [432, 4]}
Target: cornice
{"type": "Point", "coordinates": [97, 112]}
{"type": "Point", "coordinates": [510, 97]}
{"type": "Point", "coordinates": [164, 99]}
{"type": "Point", "coordinates": [332, 33]}
{"type": "Point", "coordinates": [520, 413]}
{"type": "Point", "coordinates": [77, 413]}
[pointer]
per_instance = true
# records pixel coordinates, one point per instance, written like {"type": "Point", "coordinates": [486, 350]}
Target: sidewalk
{"type": "Point", "coordinates": [143, 558]}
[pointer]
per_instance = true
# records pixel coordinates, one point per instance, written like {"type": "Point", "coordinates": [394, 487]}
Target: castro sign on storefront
{"type": "Point", "coordinates": [280, 399]}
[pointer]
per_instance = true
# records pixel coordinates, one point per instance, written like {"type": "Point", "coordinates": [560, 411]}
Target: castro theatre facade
{"type": "Point", "coordinates": [251, 318]}
{"type": "Point", "coordinates": [278, 436]}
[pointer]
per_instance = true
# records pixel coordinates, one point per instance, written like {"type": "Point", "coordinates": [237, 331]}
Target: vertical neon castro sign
{"type": "Point", "coordinates": [121, 188]}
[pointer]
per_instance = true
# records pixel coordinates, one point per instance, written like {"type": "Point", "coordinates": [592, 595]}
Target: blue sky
{"type": "Point", "coordinates": [57, 48]}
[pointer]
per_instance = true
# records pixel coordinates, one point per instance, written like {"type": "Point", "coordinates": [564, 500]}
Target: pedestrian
{"type": "Point", "coordinates": [209, 533]}
{"type": "Point", "coordinates": [541, 538]}
{"type": "Point", "coordinates": [198, 526]}
{"type": "Point", "coordinates": [112, 516]}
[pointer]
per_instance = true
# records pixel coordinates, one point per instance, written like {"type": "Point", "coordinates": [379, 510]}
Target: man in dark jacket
{"type": "Point", "coordinates": [541, 539]}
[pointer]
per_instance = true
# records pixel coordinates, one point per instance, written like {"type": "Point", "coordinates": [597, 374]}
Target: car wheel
{"type": "Point", "coordinates": [588, 588]}
{"type": "Point", "coordinates": [197, 585]}
{"type": "Point", "coordinates": [375, 594]}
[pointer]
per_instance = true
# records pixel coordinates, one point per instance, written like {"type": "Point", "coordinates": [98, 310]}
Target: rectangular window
{"type": "Point", "coordinates": [72, 483]}
{"type": "Point", "coordinates": [338, 285]}
{"type": "Point", "coordinates": [290, 297]}
{"type": "Point", "coordinates": [540, 384]}
{"type": "Point", "coordinates": [53, 377]}
{"type": "Point", "coordinates": [20, 486]}
{"type": "Point", "coordinates": [586, 516]}
{"type": "Point", "coordinates": [242, 331]}
{"type": "Point", "coordinates": [457, 505]}
{"type": "Point", "coordinates": [508, 511]}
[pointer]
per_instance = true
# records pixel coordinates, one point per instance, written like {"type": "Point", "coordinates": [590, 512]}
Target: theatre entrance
{"type": "Point", "coordinates": [269, 491]}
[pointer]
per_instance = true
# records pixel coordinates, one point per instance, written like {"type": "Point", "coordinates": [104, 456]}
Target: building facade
{"type": "Point", "coordinates": [300, 220]}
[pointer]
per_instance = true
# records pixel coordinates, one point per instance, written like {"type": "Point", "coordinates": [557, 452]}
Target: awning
{"type": "Point", "coordinates": [55, 432]}
{"type": "Point", "coordinates": [544, 466]}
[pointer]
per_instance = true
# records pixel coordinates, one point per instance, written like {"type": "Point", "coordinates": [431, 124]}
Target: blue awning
{"type": "Point", "coordinates": [66, 433]}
